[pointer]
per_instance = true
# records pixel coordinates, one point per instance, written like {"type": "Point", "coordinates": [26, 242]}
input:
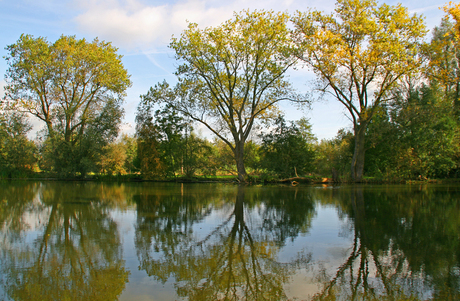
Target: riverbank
{"type": "Point", "coordinates": [258, 179]}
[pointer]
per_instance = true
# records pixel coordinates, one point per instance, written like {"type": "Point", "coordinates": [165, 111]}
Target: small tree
{"type": "Point", "coordinates": [334, 155]}
{"type": "Point", "coordinates": [286, 150]}
{"type": "Point", "coordinates": [147, 142]}
{"type": "Point", "coordinates": [131, 164]}
{"type": "Point", "coordinates": [171, 129]}
{"type": "Point", "coordinates": [197, 155]}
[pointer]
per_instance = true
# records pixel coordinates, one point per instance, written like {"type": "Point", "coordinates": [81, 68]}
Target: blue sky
{"type": "Point", "coordinates": [142, 29]}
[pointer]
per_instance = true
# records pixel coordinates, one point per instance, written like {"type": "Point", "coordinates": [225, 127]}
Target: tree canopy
{"type": "Point", "coordinates": [453, 9]}
{"type": "Point", "coordinates": [66, 83]}
{"type": "Point", "coordinates": [443, 54]}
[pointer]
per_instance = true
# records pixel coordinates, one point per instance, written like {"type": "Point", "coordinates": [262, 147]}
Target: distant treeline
{"type": "Point", "coordinates": [401, 92]}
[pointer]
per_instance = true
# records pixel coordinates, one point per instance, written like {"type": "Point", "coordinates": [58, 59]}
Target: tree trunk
{"type": "Point", "coordinates": [67, 133]}
{"type": "Point", "coordinates": [49, 125]}
{"type": "Point", "coordinates": [357, 163]}
{"type": "Point", "coordinates": [239, 158]}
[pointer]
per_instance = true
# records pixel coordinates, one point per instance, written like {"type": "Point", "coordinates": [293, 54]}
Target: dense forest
{"type": "Point", "coordinates": [399, 85]}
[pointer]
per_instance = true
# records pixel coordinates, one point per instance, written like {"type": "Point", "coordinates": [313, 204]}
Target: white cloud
{"type": "Point", "coordinates": [196, 11]}
{"type": "Point", "coordinates": [123, 26]}
{"type": "Point", "coordinates": [133, 24]}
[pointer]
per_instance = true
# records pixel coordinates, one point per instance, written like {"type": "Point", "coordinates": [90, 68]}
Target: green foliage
{"type": "Point", "coordinates": [79, 157]}
{"type": "Point", "coordinates": [147, 142]}
{"type": "Point", "coordinates": [220, 159]}
{"type": "Point", "coordinates": [252, 156]}
{"type": "Point", "coordinates": [129, 143]}
{"type": "Point", "coordinates": [382, 141]}
{"type": "Point", "coordinates": [170, 126]}
{"type": "Point", "coordinates": [196, 156]}
{"type": "Point", "coordinates": [167, 145]}
{"type": "Point", "coordinates": [18, 155]}
{"type": "Point", "coordinates": [113, 160]}
{"type": "Point", "coordinates": [285, 149]}
{"type": "Point", "coordinates": [418, 138]}
{"type": "Point", "coordinates": [334, 155]}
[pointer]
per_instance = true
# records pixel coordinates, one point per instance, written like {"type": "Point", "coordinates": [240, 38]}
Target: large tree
{"type": "Point", "coordinates": [231, 76]}
{"type": "Point", "coordinates": [359, 53]}
{"type": "Point", "coordinates": [65, 84]}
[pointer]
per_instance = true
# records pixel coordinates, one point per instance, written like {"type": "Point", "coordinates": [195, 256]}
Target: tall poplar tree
{"type": "Point", "coordinates": [231, 76]}
{"type": "Point", "coordinates": [359, 53]}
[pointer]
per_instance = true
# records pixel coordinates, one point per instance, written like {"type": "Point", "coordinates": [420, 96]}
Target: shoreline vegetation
{"type": "Point", "coordinates": [230, 179]}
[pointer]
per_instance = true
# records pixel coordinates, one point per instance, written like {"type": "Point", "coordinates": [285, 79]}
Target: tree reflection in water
{"type": "Point", "coordinates": [405, 246]}
{"type": "Point", "coordinates": [76, 254]}
{"type": "Point", "coordinates": [58, 241]}
{"type": "Point", "coordinates": [234, 261]}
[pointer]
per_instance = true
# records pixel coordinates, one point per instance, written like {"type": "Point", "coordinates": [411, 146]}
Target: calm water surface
{"type": "Point", "coordinates": [145, 241]}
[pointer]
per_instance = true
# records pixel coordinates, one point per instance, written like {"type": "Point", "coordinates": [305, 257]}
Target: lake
{"type": "Point", "coordinates": [169, 241]}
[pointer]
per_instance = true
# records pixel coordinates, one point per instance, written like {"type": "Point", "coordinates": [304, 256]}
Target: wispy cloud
{"type": "Point", "coordinates": [424, 9]}
{"type": "Point", "coordinates": [133, 25]}
{"type": "Point", "coordinates": [152, 59]}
